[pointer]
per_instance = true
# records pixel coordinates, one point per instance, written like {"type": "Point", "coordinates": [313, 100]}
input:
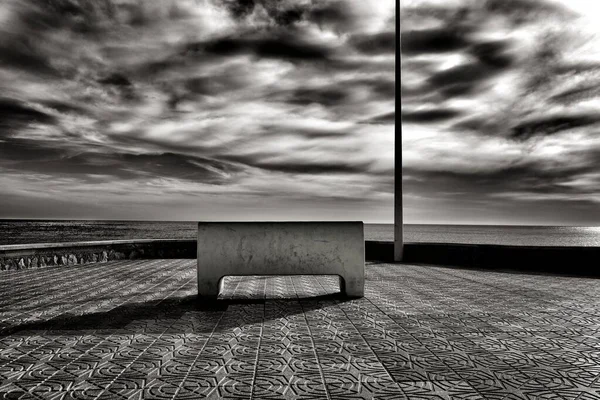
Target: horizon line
{"type": "Point", "coordinates": [298, 220]}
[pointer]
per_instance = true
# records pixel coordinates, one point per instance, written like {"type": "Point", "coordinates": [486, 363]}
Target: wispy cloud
{"type": "Point", "coordinates": [196, 109]}
{"type": "Point", "coordinates": [199, 109]}
{"type": "Point", "coordinates": [500, 111]}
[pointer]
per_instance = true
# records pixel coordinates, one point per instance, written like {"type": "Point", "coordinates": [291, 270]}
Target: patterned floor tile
{"type": "Point", "coordinates": [135, 330]}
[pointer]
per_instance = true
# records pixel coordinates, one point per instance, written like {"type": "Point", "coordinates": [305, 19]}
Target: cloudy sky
{"type": "Point", "coordinates": [277, 109]}
{"type": "Point", "coordinates": [501, 111]}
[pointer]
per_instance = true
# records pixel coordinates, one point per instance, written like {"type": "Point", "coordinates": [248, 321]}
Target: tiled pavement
{"type": "Point", "coordinates": [134, 329]}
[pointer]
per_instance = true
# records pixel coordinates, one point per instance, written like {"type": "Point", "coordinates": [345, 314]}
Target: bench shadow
{"type": "Point", "coordinates": [170, 311]}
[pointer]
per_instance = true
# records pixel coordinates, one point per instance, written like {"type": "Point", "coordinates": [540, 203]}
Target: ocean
{"type": "Point", "coordinates": [36, 231]}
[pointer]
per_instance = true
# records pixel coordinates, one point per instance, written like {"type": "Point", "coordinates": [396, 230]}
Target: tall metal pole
{"type": "Point", "coordinates": [398, 217]}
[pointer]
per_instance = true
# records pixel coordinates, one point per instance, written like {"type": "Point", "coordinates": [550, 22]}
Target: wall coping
{"type": "Point", "coordinates": [62, 245]}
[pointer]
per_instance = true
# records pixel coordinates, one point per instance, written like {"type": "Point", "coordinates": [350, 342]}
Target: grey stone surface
{"type": "Point", "coordinates": [281, 248]}
{"type": "Point", "coordinates": [135, 329]}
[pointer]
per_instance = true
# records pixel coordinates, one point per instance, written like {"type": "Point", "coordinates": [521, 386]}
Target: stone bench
{"type": "Point", "coordinates": [281, 248]}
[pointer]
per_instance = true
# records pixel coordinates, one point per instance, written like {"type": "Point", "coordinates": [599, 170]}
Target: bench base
{"type": "Point", "coordinates": [210, 289]}
{"type": "Point", "coordinates": [281, 248]}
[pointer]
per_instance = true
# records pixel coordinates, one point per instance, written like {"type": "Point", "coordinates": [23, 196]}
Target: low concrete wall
{"type": "Point", "coordinates": [571, 260]}
{"type": "Point", "coordinates": [15, 257]}
{"type": "Point", "coordinates": [563, 260]}
{"type": "Point", "coordinates": [281, 248]}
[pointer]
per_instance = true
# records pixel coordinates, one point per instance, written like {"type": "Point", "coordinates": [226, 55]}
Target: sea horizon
{"type": "Point", "coordinates": [30, 231]}
{"type": "Point", "coordinates": [281, 220]}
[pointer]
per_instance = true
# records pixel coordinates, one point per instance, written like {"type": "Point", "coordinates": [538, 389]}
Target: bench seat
{"type": "Point", "coordinates": [281, 248]}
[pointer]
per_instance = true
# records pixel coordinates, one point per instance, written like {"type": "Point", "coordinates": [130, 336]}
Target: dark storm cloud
{"type": "Point", "coordinates": [208, 85]}
{"type": "Point", "coordinates": [494, 54]}
{"type": "Point", "coordinates": [302, 132]}
{"type": "Point", "coordinates": [80, 164]}
{"type": "Point", "coordinates": [429, 116]}
{"type": "Point", "coordinates": [65, 107]}
{"type": "Point", "coordinates": [474, 124]}
{"type": "Point", "coordinates": [239, 8]}
{"type": "Point", "coordinates": [529, 128]}
{"type": "Point", "coordinates": [530, 177]}
{"type": "Point", "coordinates": [312, 168]}
{"type": "Point", "coordinates": [339, 16]}
{"type": "Point", "coordinates": [459, 89]}
{"type": "Point", "coordinates": [121, 85]}
{"type": "Point", "coordinates": [524, 11]}
{"type": "Point", "coordinates": [327, 96]}
{"type": "Point", "coordinates": [84, 17]}
{"type": "Point", "coordinates": [115, 79]}
{"type": "Point", "coordinates": [336, 14]}
{"type": "Point", "coordinates": [464, 182]}
{"type": "Point", "coordinates": [118, 165]}
{"type": "Point", "coordinates": [14, 114]}
{"type": "Point", "coordinates": [137, 15]}
{"type": "Point", "coordinates": [289, 16]}
{"type": "Point", "coordinates": [318, 134]}
{"type": "Point", "coordinates": [22, 53]}
{"type": "Point", "coordinates": [577, 94]}
{"type": "Point", "coordinates": [93, 18]}
{"type": "Point", "coordinates": [552, 124]}
{"type": "Point", "coordinates": [567, 68]}
{"type": "Point", "coordinates": [160, 145]}
{"type": "Point", "coordinates": [308, 167]}
{"type": "Point", "coordinates": [546, 57]}
{"type": "Point", "coordinates": [440, 40]}
{"type": "Point", "coordinates": [284, 47]}
{"type": "Point", "coordinates": [15, 150]}
{"type": "Point", "coordinates": [487, 59]}
{"type": "Point", "coordinates": [284, 13]}
{"type": "Point", "coordinates": [416, 93]}
{"type": "Point", "coordinates": [439, 12]}
{"type": "Point", "coordinates": [281, 12]}
{"type": "Point", "coordinates": [383, 88]}
{"type": "Point", "coordinates": [466, 79]}
{"type": "Point", "coordinates": [377, 43]}
{"type": "Point", "coordinates": [467, 74]}
{"type": "Point", "coordinates": [341, 92]}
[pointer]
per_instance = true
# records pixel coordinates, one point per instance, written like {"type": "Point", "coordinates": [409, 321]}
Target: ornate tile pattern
{"type": "Point", "coordinates": [135, 330]}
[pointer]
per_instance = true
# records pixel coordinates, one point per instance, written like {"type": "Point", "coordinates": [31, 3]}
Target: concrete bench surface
{"type": "Point", "coordinates": [281, 248]}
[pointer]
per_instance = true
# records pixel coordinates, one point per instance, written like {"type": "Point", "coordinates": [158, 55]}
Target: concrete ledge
{"type": "Point", "coordinates": [16, 257]}
{"type": "Point", "coordinates": [281, 248]}
{"type": "Point", "coordinates": [554, 259]}
{"type": "Point", "coordinates": [569, 260]}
